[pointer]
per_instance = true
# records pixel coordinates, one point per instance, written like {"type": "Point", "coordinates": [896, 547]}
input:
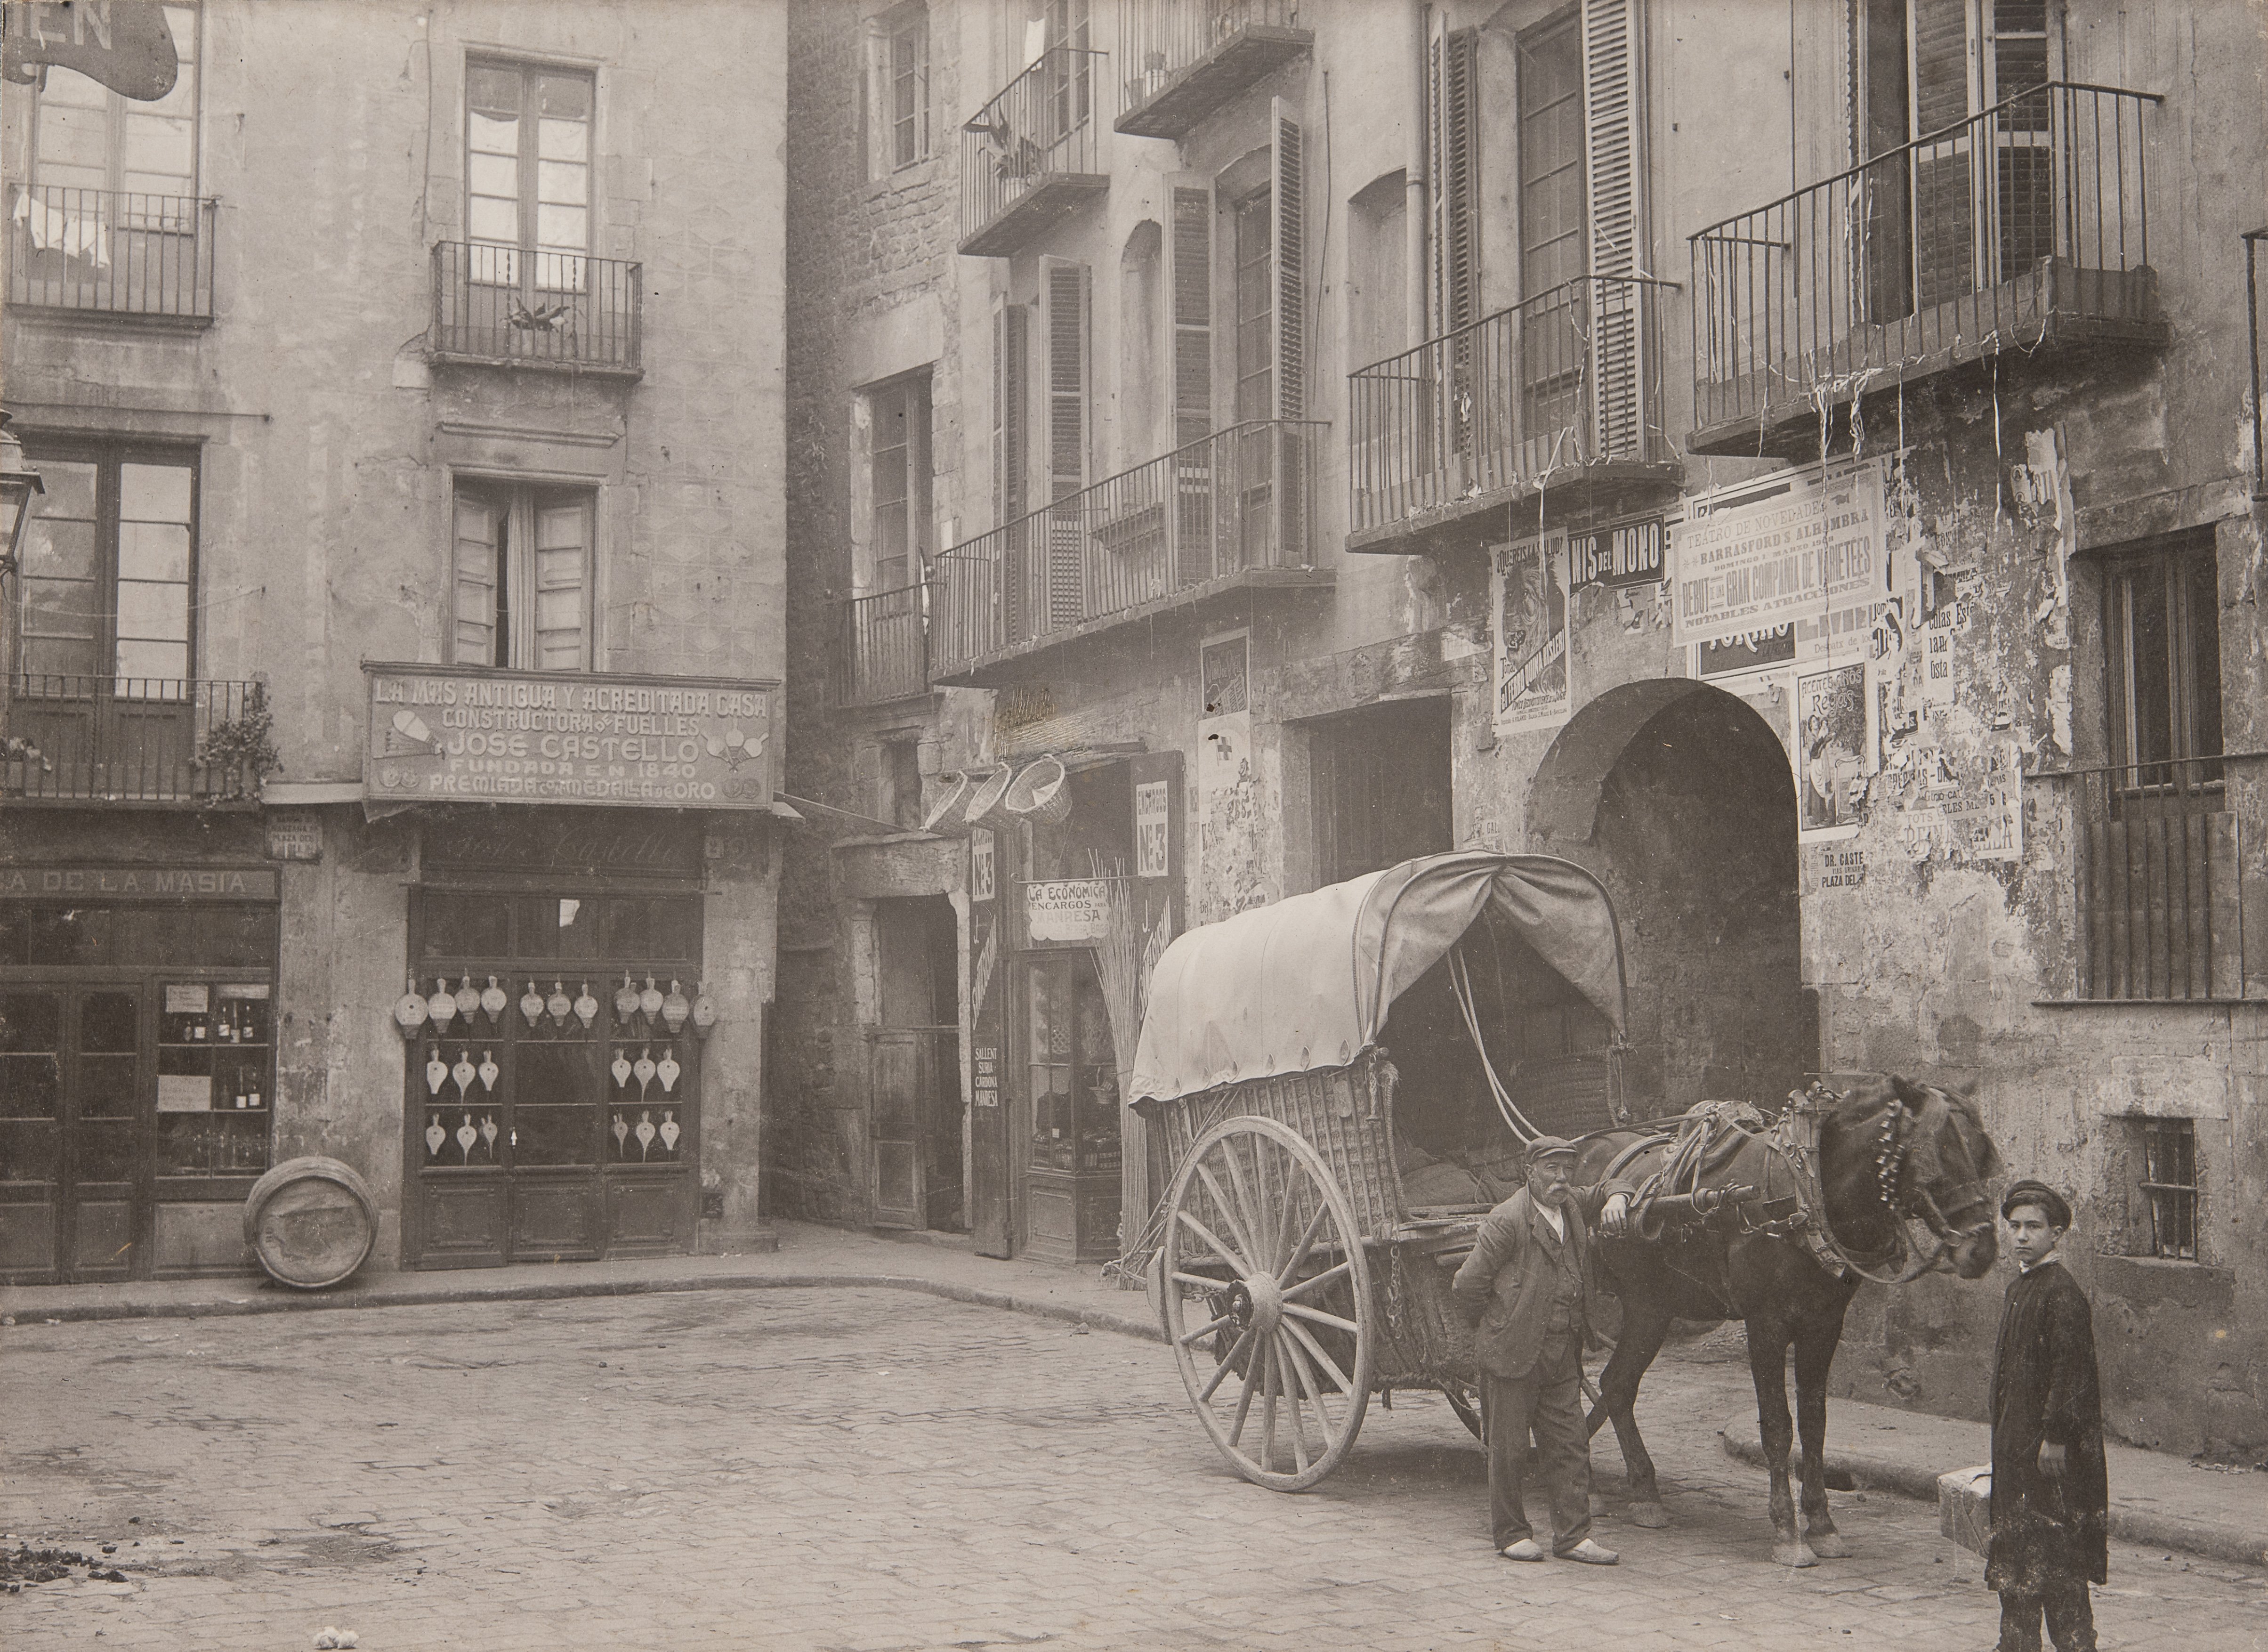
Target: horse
{"type": "Point", "coordinates": [1783, 1253]}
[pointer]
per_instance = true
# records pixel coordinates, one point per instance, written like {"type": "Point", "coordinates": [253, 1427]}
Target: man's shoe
{"type": "Point", "coordinates": [1525, 1549]}
{"type": "Point", "coordinates": [1591, 1554]}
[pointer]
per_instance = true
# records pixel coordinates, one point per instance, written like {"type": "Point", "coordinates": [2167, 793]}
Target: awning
{"type": "Point", "coordinates": [1307, 983]}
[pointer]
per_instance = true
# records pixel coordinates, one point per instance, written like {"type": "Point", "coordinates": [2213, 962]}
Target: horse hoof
{"type": "Point", "coordinates": [1827, 1546]}
{"type": "Point", "coordinates": [1652, 1517]}
{"type": "Point", "coordinates": [1793, 1554]}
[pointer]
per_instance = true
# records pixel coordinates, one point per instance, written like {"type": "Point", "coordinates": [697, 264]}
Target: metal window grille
{"type": "Point", "coordinates": [2169, 1179]}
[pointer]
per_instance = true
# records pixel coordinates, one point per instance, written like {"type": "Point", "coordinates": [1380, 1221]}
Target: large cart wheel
{"type": "Point", "coordinates": [1265, 1278]}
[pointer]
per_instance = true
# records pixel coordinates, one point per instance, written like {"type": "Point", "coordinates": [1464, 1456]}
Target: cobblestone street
{"type": "Point", "coordinates": [871, 1470]}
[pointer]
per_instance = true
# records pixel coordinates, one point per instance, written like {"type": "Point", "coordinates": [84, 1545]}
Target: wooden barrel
{"type": "Point", "coordinates": [310, 1222]}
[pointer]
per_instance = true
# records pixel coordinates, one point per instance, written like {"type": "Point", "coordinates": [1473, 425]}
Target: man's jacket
{"type": "Point", "coordinates": [1505, 1287]}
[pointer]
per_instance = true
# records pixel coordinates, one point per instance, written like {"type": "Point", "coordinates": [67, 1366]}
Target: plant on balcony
{"type": "Point", "coordinates": [18, 756]}
{"type": "Point", "coordinates": [238, 752]}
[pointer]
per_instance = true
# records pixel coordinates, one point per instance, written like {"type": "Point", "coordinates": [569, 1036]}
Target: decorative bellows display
{"type": "Point", "coordinates": [453, 1013]}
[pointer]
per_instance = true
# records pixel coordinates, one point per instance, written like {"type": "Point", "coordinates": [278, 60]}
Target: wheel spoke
{"type": "Point", "coordinates": [1232, 1217]}
{"type": "Point", "coordinates": [1317, 1317]}
{"type": "Point", "coordinates": [1212, 1239]}
{"type": "Point", "coordinates": [1246, 1216]}
{"type": "Point", "coordinates": [1313, 1382]}
{"type": "Point", "coordinates": [1307, 1242]}
{"type": "Point", "coordinates": [1205, 1330]}
{"type": "Point", "coordinates": [1288, 1379]}
{"type": "Point", "coordinates": [1200, 1281]}
{"type": "Point", "coordinates": [1268, 1415]}
{"type": "Point", "coordinates": [1345, 1382]}
{"type": "Point", "coordinates": [1244, 1400]}
{"type": "Point", "coordinates": [1225, 1367]}
{"type": "Point", "coordinates": [1293, 1291]}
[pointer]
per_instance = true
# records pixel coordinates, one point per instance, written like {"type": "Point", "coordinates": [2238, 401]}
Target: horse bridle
{"type": "Point", "coordinates": [1892, 1151]}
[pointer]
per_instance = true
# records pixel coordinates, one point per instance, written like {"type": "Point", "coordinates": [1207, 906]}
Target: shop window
{"type": "Point", "coordinates": [897, 89]}
{"type": "Point", "coordinates": [108, 565]}
{"type": "Point", "coordinates": [1072, 1071]}
{"type": "Point", "coordinates": [527, 172]}
{"type": "Point", "coordinates": [2169, 1183]}
{"type": "Point", "coordinates": [216, 1065]}
{"type": "Point", "coordinates": [523, 576]}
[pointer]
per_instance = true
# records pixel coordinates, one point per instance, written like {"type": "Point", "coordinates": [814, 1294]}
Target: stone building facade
{"type": "Point", "coordinates": [406, 382]}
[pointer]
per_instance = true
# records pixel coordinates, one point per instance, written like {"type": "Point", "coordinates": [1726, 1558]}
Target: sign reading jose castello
{"type": "Point", "coordinates": [445, 734]}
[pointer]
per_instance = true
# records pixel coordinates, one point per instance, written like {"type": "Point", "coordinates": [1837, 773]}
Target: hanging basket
{"type": "Point", "coordinates": [984, 808]}
{"type": "Point", "coordinates": [1039, 792]}
{"type": "Point", "coordinates": [948, 815]}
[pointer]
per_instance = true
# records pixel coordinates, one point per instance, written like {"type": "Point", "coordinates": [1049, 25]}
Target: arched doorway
{"type": "Point", "coordinates": [1679, 797]}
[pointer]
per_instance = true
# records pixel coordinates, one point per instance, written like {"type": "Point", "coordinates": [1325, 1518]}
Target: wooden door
{"type": "Point", "coordinates": [73, 1081]}
{"type": "Point", "coordinates": [900, 1191]}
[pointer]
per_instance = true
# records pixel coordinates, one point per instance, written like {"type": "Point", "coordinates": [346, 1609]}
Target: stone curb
{"type": "Point", "coordinates": [1097, 1318]}
{"type": "Point", "coordinates": [2148, 1528]}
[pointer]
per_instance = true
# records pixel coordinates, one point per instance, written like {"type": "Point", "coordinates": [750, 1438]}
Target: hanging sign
{"type": "Point", "coordinates": [1803, 548]}
{"type": "Point", "coordinates": [1629, 553]}
{"type": "Point", "coordinates": [1074, 910]}
{"type": "Point", "coordinates": [1528, 602]}
{"type": "Point", "coordinates": [125, 45]}
{"type": "Point", "coordinates": [981, 864]}
{"type": "Point", "coordinates": [1151, 829]}
{"type": "Point", "coordinates": [449, 734]}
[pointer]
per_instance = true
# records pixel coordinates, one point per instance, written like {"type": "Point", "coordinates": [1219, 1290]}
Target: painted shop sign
{"type": "Point", "coordinates": [443, 735]}
{"type": "Point", "coordinates": [1074, 910]}
{"type": "Point", "coordinates": [1840, 866]}
{"type": "Point", "coordinates": [1629, 553]}
{"type": "Point", "coordinates": [138, 882]}
{"type": "Point", "coordinates": [1803, 550]}
{"type": "Point", "coordinates": [294, 835]}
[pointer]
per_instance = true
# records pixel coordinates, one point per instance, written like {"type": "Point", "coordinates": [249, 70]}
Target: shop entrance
{"type": "Point", "coordinates": [916, 1117]}
{"type": "Point", "coordinates": [1681, 798]}
{"type": "Point", "coordinates": [135, 1092]}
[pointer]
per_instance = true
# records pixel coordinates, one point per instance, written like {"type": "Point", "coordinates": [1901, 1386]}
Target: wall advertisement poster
{"type": "Point", "coordinates": [1528, 585]}
{"type": "Point", "coordinates": [1800, 549]}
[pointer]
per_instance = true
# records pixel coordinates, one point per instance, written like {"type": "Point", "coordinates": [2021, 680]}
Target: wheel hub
{"type": "Point", "coordinates": [1256, 1303]}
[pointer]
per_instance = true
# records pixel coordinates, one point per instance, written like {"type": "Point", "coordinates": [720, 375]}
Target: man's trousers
{"type": "Point", "coordinates": [1548, 1400]}
{"type": "Point", "coordinates": [2070, 1618]}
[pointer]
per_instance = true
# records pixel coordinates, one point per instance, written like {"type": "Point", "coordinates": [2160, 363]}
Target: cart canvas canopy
{"type": "Point", "coordinates": [1307, 983]}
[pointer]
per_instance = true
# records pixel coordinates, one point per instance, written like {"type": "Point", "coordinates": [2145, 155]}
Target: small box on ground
{"type": "Point", "coordinates": [1964, 1506]}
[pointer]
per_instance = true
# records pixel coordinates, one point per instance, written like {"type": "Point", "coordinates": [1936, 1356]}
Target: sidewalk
{"type": "Point", "coordinates": [2156, 1501]}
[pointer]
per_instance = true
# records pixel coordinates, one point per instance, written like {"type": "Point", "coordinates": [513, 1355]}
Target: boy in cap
{"type": "Point", "coordinates": [1523, 1288]}
{"type": "Point", "coordinates": [2050, 1496]}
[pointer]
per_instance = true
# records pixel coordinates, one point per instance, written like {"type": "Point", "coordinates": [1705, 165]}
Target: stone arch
{"type": "Point", "coordinates": [1681, 797]}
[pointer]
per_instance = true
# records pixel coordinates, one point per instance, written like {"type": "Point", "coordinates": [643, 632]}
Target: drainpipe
{"type": "Point", "coordinates": [1419, 277]}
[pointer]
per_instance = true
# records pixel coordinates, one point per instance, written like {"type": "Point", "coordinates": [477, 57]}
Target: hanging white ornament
{"type": "Point", "coordinates": [531, 1004]}
{"type": "Point", "coordinates": [409, 1011]}
{"type": "Point", "coordinates": [667, 1070]}
{"type": "Point", "coordinates": [494, 1000]}
{"type": "Point", "coordinates": [676, 1007]}
{"type": "Point", "coordinates": [442, 1005]}
{"type": "Point", "coordinates": [644, 1133]}
{"type": "Point", "coordinates": [468, 1000]}
{"type": "Point", "coordinates": [626, 1000]}
{"type": "Point", "coordinates": [489, 1132]}
{"type": "Point", "coordinates": [586, 1008]}
{"type": "Point", "coordinates": [464, 1073]}
{"type": "Point", "coordinates": [621, 1069]}
{"type": "Point", "coordinates": [488, 1070]}
{"type": "Point", "coordinates": [622, 1134]}
{"type": "Point", "coordinates": [704, 1010]}
{"type": "Point", "coordinates": [466, 1136]}
{"type": "Point", "coordinates": [669, 1131]}
{"type": "Point", "coordinates": [649, 1001]}
{"type": "Point", "coordinates": [559, 1004]}
{"type": "Point", "coordinates": [437, 1071]}
{"type": "Point", "coordinates": [645, 1069]}
{"type": "Point", "coordinates": [436, 1136]}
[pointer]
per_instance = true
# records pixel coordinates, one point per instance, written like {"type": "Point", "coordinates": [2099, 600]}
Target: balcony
{"type": "Point", "coordinates": [145, 258]}
{"type": "Point", "coordinates": [126, 740]}
{"type": "Point", "coordinates": [881, 648]}
{"type": "Point", "coordinates": [1561, 393]}
{"type": "Point", "coordinates": [2025, 228]}
{"type": "Point", "coordinates": [2162, 879]}
{"type": "Point", "coordinates": [510, 307]}
{"type": "Point", "coordinates": [1032, 156]}
{"type": "Point", "coordinates": [2256, 311]}
{"type": "Point", "coordinates": [1229, 513]}
{"type": "Point", "coordinates": [1185, 58]}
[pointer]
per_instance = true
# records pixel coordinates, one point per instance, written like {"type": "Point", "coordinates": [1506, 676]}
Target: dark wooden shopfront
{"type": "Point", "coordinates": [136, 1067]}
{"type": "Point", "coordinates": [571, 1133]}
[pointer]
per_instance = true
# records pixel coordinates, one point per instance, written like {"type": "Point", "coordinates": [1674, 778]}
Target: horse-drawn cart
{"type": "Point", "coordinates": [1343, 1082]}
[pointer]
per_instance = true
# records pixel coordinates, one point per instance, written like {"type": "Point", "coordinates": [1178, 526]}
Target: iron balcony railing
{"type": "Point", "coordinates": [2256, 311]}
{"type": "Point", "coordinates": [112, 251]}
{"type": "Point", "coordinates": [1238, 502]}
{"type": "Point", "coordinates": [1181, 59]}
{"type": "Point", "coordinates": [1041, 135]}
{"type": "Point", "coordinates": [2030, 217]}
{"type": "Point", "coordinates": [514, 304]}
{"type": "Point", "coordinates": [78, 738]}
{"type": "Point", "coordinates": [2161, 880]}
{"type": "Point", "coordinates": [882, 647]}
{"type": "Point", "coordinates": [1528, 396]}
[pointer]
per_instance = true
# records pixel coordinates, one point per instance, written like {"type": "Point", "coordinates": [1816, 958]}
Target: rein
{"type": "Point", "coordinates": [1794, 1139]}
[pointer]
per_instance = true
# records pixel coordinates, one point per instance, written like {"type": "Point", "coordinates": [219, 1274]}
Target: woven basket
{"type": "Point", "coordinates": [1041, 792]}
{"type": "Point", "coordinates": [984, 805]}
{"type": "Point", "coordinates": [948, 815]}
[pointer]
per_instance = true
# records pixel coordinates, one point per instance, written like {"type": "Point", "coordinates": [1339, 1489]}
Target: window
{"type": "Point", "coordinates": [523, 576]}
{"type": "Point", "coordinates": [900, 473]}
{"type": "Point", "coordinates": [2169, 1181]}
{"type": "Point", "coordinates": [527, 172]}
{"type": "Point", "coordinates": [86, 137]}
{"type": "Point", "coordinates": [899, 781]}
{"type": "Point", "coordinates": [1256, 313]}
{"type": "Point", "coordinates": [108, 563]}
{"type": "Point", "coordinates": [1379, 781]}
{"type": "Point", "coordinates": [2161, 643]}
{"type": "Point", "coordinates": [1377, 270]}
{"type": "Point", "coordinates": [897, 89]}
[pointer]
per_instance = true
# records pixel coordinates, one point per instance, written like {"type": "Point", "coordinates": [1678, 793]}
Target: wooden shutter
{"type": "Point", "coordinates": [562, 581]}
{"type": "Point", "coordinates": [1288, 239]}
{"type": "Point", "coordinates": [1455, 76]}
{"type": "Point", "coordinates": [1063, 288]}
{"type": "Point", "coordinates": [1188, 286]}
{"type": "Point", "coordinates": [1613, 149]}
{"type": "Point", "coordinates": [479, 535]}
{"type": "Point", "coordinates": [1008, 413]}
{"type": "Point", "coordinates": [1944, 174]}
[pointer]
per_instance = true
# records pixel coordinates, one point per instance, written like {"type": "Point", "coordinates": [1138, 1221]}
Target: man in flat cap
{"type": "Point", "coordinates": [1523, 1288]}
{"type": "Point", "coordinates": [2050, 1497]}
